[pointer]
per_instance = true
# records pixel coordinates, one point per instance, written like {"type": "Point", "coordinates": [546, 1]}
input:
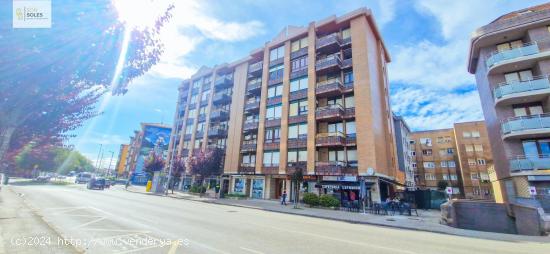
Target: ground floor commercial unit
{"type": "Point", "coordinates": [375, 189]}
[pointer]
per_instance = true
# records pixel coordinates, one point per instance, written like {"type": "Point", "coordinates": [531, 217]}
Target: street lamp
{"type": "Point", "coordinates": [110, 162]}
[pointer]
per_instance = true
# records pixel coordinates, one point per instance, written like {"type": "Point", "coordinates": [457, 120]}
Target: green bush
{"type": "Point", "coordinates": [197, 189]}
{"type": "Point", "coordinates": [329, 201]}
{"type": "Point", "coordinates": [235, 195]}
{"type": "Point", "coordinates": [311, 199]}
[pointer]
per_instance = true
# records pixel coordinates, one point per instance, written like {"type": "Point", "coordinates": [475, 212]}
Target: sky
{"type": "Point", "coordinates": [427, 40]}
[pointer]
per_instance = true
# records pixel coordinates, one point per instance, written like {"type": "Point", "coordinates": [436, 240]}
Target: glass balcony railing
{"type": "Point", "coordinates": [511, 88]}
{"type": "Point", "coordinates": [530, 162]}
{"type": "Point", "coordinates": [525, 123]}
{"type": "Point", "coordinates": [526, 49]}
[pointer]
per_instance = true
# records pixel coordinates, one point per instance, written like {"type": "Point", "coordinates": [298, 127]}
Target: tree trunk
{"type": "Point", "coordinates": [4, 145]}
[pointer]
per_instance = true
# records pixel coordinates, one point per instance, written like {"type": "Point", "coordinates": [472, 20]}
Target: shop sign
{"type": "Point", "coordinates": [340, 178]}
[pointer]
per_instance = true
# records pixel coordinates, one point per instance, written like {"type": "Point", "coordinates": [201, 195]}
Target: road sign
{"type": "Point", "coordinates": [449, 190]}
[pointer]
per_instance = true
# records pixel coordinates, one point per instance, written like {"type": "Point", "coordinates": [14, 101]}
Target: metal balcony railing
{"type": "Point", "coordinates": [526, 49]}
{"type": "Point", "coordinates": [524, 123]}
{"type": "Point", "coordinates": [255, 67]}
{"type": "Point", "coordinates": [333, 60]}
{"type": "Point", "coordinates": [324, 41]}
{"type": "Point", "coordinates": [510, 88]}
{"type": "Point", "coordinates": [530, 162]}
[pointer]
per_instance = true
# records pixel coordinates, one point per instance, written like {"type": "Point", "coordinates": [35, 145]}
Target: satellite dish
{"type": "Point", "coordinates": [370, 171]}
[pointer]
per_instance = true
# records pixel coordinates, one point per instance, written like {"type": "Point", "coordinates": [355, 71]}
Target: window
{"type": "Point", "coordinates": [430, 177]}
{"type": "Point", "coordinates": [509, 45]}
{"type": "Point", "coordinates": [445, 177]}
{"type": "Point", "coordinates": [298, 44]}
{"type": "Point", "coordinates": [296, 155]}
{"type": "Point", "coordinates": [478, 148]}
{"type": "Point", "coordinates": [186, 144]}
{"type": "Point", "coordinates": [298, 108]}
{"type": "Point", "coordinates": [299, 64]}
{"type": "Point", "coordinates": [426, 141]}
{"type": "Point", "coordinates": [447, 139]}
{"type": "Point", "coordinates": [249, 159]}
{"type": "Point", "coordinates": [192, 113]}
{"type": "Point", "coordinates": [202, 110]}
{"type": "Point", "coordinates": [481, 161]}
{"type": "Point", "coordinates": [484, 176]}
{"type": "Point", "coordinates": [528, 109]}
{"type": "Point", "coordinates": [277, 53]}
{"type": "Point", "coordinates": [413, 153]}
{"type": "Point", "coordinates": [196, 84]}
{"type": "Point", "coordinates": [352, 157]}
{"type": "Point", "coordinates": [298, 84]}
{"type": "Point", "coordinates": [520, 76]}
{"type": "Point", "coordinates": [429, 164]}
{"type": "Point", "coordinates": [274, 91]}
{"type": "Point", "coordinates": [412, 142]}
{"type": "Point", "coordinates": [348, 77]}
{"type": "Point", "coordinates": [276, 72]}
{"type": "Point", "coordinates": [272, 135]}
{"type": "Point", "coordinates": [205, 96]}
{"type": "Point", "coordinates": [336, 155]}
{"type": "Point", "coordinates": [271, 158]}
{"type": "Point", "coordinates": [413, 164]}
{"type": "Point", "coordinates": [453, 177]}
{"type": "Point", "coordinates": [427, 152]}
{"type": "Point", "coordinates": [474, 176]}
{"type": "Point", "coordinates": [198, 143]}
{"type": "Point", "coordinates": [189, 129]}
{"type": "Point", "coordinates": [297, 131]}
{"type": "Point", "coordinates": [451, 164]}
{"type": "Point", "coordinates": [193, 99]}
{"type": "Point", "coordinates": [450, 151]}
{"type": "Point", "coordinates": [349, 101]}
{"type": "Point", "coordinates": [442, 152]}
{"type": "Point", "coordinates": [200, 127]}
{"type": "Point", "coordinates": [350, 129]}
{"type": "Point", "coordinates": [443, 164]}
{"type": "Point", "coordinates": [346, 33]}
{"type": "Point", "coordinates": [336, 127]}
{"type": "Point", "coordinates": [537, 147]}
{"type": "Point", "coordinates": [475, 134]}
{"type": "Point", "coordinates": [466, 134]}
{"type": "Point", "coordinates": [471, 162]}
{"type": "Point", "coordinates": [469, 148]}
{"type": "Point", "coordinates": [273, 112]}
{"type": "Point", "coordinates": [440, 140]}
{"type": "Point", "coordinates": [334, 101]}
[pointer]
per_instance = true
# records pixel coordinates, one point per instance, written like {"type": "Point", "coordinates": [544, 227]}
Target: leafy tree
{"type": "Point", "coordinates": [297, 178]}
{"type": "Point", "coordinates": [178, 169]}
{"type": "Point", "coordinates": [50, 159]}
{"type": "Point", "coordinates": [52, 79]}
{"type": "Point", "coordinates": [153, 164]}
{"type": "Point", "coordinates": [206, 163]}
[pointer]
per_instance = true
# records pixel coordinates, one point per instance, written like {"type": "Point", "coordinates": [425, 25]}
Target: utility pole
{"type": "Point", "coordinates": [98, 154]}
{"type": "Point", "coordinates": [110, 162]}
{"type": "Point", "coordinates": [100, 161]}
{"type": "Point", "coordinates": [172, 137]}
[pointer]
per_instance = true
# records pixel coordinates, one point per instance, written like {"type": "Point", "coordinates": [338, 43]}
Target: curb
{"type": "Point", "coordinates": [359, 222]}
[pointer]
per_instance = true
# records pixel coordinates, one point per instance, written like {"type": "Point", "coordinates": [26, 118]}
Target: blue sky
{"type": "Point", "coordinates": [427, 40]}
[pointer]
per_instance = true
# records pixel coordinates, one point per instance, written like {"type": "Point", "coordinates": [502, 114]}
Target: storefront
{"type": "Point", "coordinates": [252, 186]}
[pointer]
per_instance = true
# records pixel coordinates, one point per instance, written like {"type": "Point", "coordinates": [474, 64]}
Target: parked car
{"type": "Point", "coordinates": [42, 179]}
{"type": "Point", "coordinates": [83, 177]}
{"type": "Point", "coordinates": [96, 183]}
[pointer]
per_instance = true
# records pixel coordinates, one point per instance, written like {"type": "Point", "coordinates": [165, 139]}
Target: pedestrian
{"type": "Point", "coordinates": [127, 184]}
{"type": "Point", "coordinates": [283, 198]}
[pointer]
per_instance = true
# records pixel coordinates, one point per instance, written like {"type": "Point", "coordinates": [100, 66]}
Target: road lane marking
{"type": "Point", "coordinates": [90, 222]}
{"type": "Point", "coordinates": [173, 247]}
{"type": "Point", "coordinates": [339, 240]}
{"type": "Point", "coordinates": [251, 250]}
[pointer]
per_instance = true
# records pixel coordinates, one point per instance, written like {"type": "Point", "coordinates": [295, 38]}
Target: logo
{"type": "Point", "coordinates": [32, 14]}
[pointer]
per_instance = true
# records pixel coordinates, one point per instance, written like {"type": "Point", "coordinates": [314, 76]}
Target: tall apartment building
{"type": "Point", "coordinates": [405, 151]}
{"type": "Point", "coordinates": [459, 156]}
{"type": "Point", "coordinates": [122, 159]}
{"type": "Point", "coordinates": [296, 104]}
{"type": "Point", "coordinates": [510, 60]}
{"type": "Point", "coordinates": [152, 138]}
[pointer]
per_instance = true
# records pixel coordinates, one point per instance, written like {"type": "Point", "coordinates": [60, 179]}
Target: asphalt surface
{"type": "Point", "coordinates": [117, 221]}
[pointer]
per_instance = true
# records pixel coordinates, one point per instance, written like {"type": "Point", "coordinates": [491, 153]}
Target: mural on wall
{"type": "Point", "coordinates": [155, 140]}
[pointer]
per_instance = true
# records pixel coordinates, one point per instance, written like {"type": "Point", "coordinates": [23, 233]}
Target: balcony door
{"type": "Point", "coordinates": [534, 148]}
{"type": "Point", "coordinates": [519, 76]}
{"type": "Point", "coordinates": [528, 109]}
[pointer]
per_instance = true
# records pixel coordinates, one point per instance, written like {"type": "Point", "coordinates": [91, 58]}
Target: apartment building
{"type": "Point", "coordinates": [405, 151]}
{"type": "Point", "coordinates": [436, 159]}
{"type": "Point", "coordinates": [474, 159]}
{"type": "Point", "coordinates": [510, 58]}
{"type": "Point", "coordinates": [152, 138]}
{"type": "Point", "coordinates": [296, 104]}
{"type": "Point", "coordinates": [122, 159]}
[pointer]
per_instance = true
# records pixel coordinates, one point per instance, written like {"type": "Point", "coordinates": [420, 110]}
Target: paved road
{"type": "Point", "coordinates": [121, 222]}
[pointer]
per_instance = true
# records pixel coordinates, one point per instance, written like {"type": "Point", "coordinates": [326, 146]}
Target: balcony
{"type": "Point", "coordinates": [532, 126]}
{"type": "Point", "coordinates": [348, 87]}
{"type": "Point", "coordinates": [297, 142]}
{"type": "Point", "coordinates": [247, 168]}
{"type": "Point", "coordinates": [203, 103]}
{"type": "Point", "coordinates": [330, 112]}
{"type": "Point", "coordinates": [329, 43]}
{"type": "Point", "coordinates": [330, 63]}
{"type": "Point", "coordinates": [199, 134]}
{"type": "Point", "coordinates": [297, 119]}
{"type": "Point", "coordinates": [522, 91]}
{"type": "Point", "coordinates": [201, 118]}
{"type": "Point", "coordinates": [221, 98]}
{"type": "Point", "coordinates": [331, 168]}
{"type": "Point", "coordinates": [329, 88]}
{"type": "Point", "coordinates": [224, 82]}
{"type": "Point", "coordinates": [271, 144]}
{"type": "Point", "coordinates": [347, 63]}
{"type": "Point", "coordinates": [248, 146]}
{"type": "Point", "coordinates": [217, 132]}
{"type": "Point", "coordinates": [274, 100]}
{"type": "Point", "coordinates": [219, 115]}
{"type": "Point", "coordinates": [296, 95]}
{"type": "Point", "coordinates": [250, 125]}
{"type": "Point", "coordinates": [298, 53]}
{"type": "Point", "coordinates": [270, 169]}
{"type": "Point", "coordinates": [255, 68]}
{"type": "Point", "coordinates": [254, 87]}
{"type": "Point", "coordinates": [252, 106]}
{"type": "Point", "coordinates": [292, 167]}
{"type": "Point", "coordinates": [349, 113]}
{"type": "Point", "coordinates": [272, 122]}
{"type": "Point", "coordinates": [517, 58]}
{"type": "Point", "coordinates": [531, 162]}
{"type": "Point", "coordinates": [298, 72]}
{"type": "Point", "coordinates": [330, 139]}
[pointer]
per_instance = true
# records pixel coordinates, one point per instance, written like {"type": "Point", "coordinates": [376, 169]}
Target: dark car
{"type": "Point", "coordinates": [96, 183]}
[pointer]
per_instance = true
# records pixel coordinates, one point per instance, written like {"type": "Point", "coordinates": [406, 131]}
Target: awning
{"type": "Point", "coordinates": [388, 181]}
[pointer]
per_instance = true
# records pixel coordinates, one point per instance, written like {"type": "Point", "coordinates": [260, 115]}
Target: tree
{"type": "Point", "coordinates": [178, 169]}
{"type": "Point", "coordinates": [50, 159]}
{"type": "Point", "coordinates": [442, 185]}
{"type": "Point", "coordinates": [153, 164]}
{"type": "Point", "coordinates": [297, 179]}
{"type": "Point", "coordinates": [52, 79]}
{"type": "Point", "coordinates": [206, 164]}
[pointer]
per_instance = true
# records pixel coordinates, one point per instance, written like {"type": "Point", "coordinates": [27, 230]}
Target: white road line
{"type": "Point", "coordinates": [251, 250]}
{"type": "Point", "coordinates": [88, 223]}
{"type": "Point", "coordinates": [173, 247]}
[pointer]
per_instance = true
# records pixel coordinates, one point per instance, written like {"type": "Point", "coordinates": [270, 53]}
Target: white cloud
{"type": "Point", "coordinates": [434, 70]}
{"type": "Point", "coordinates": [387, 11]}
{"type": "Point", "coordinates": [190, 25]}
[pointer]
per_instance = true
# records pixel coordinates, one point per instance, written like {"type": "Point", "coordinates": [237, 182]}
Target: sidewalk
{"type": "Point", "coordinates": [22, 231]}
{"type": "Point", "coordinates": [428, 220]}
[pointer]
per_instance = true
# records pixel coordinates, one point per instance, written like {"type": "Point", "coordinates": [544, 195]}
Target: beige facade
{"type": "Point", "coordinates": [296, 104]}
{"type": "Point", "coordinates": [510, 60]}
